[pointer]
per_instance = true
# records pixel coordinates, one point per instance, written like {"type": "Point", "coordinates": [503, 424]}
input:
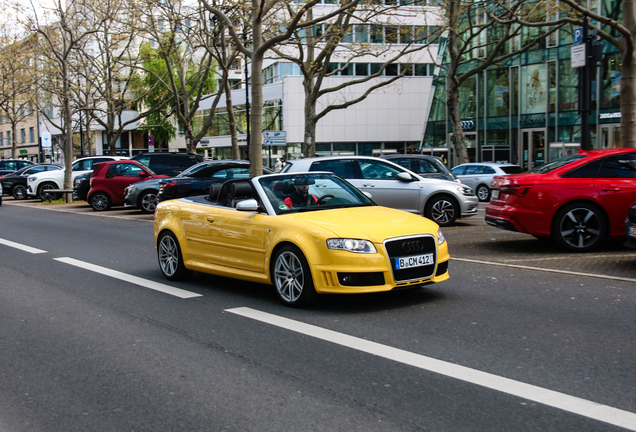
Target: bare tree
{"type": "Point", "coordinates": [314, 52]}
{"type": "Point", "coordinates": [262, 14]}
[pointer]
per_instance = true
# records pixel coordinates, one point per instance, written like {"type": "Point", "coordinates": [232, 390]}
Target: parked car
{"type": "Point", "coordinates": [8, 166]}
{"type": "Point", "coordinates": [168, 163]}
{"type": "Point", "coordinates": [479, 175]}
{"type": "Point", "coordinates": [110, 179]}
{"type": "Point", "coordinates": [37, 184]}
{"type": "Point", "coordinates": [424, 165]}
{"type": "Point", "coordinates": [81, 186]}
{"type": "Point", "coordinates": [578, 201]}
{"type": "Point", "coordinates": [15, 183]}
{"type": "Point", "coordinates": [630, 226]}
{"type": "Point", "coordinates": [344, 243]}
{"type": "Point", "coordinates": [198, 179]}
{"type": "Point", "coordinates": [393, 186]}
{"type": "Point", "coordinates": [1, 193]}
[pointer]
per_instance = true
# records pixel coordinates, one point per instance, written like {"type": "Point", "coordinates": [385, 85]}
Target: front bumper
{"type": "Point", "coordinates": [469, 206]}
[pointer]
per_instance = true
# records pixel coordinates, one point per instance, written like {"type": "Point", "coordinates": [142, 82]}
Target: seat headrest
{"type": "Point", "coordinates": [240, 189]}
{"type": "Point", "coordinates": [287, 187]}
{"type": "Point", "coordinates": [214, 192]}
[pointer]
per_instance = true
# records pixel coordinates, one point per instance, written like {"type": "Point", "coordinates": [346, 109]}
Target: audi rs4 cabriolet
{"type": "Point", "coordinates": [304, 233]}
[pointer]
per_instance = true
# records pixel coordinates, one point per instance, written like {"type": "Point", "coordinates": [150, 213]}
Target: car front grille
{"type": "Point", "coordinates": [411, 247]}
{"type": "Point", "coordinates": [631, 214]}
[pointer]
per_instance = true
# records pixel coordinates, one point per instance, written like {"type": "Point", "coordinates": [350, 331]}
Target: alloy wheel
{"type": "Point", "coordinates": [168, 255]}
{"type": "Point", "coordinates": [289, 276]}
{"type": "Point", "coordinates": [580, 228]}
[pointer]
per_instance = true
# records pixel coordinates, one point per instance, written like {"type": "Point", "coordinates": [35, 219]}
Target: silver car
{"type": "Point", "coordinates": [479, 175]}
{"type": "Point", "coordinates": [393, 186]}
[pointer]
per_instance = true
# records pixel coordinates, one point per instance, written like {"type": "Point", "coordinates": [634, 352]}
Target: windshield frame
{"type": "Point", "coordinates": [265, 182]}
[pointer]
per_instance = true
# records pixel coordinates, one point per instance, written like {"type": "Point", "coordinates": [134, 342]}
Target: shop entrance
{"type": "Point", "coordinates": [610, 136]}
{"type": "Point", "coordinates": [470, 138]}
{"type": "Point", "coordinates": [532, 148]}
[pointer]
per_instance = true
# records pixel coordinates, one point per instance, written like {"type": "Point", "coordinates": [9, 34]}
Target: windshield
{"type": "Point", "coordinates": [309, 192]}
{"type": "Point", "coordinates": [550, 166]}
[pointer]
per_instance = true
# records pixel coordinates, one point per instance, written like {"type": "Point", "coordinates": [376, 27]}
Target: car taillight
{"type": "Point", "coordinates": [519, 191]}
{"type": "Point", "coordinates": [167, 185]}
{"type": "Point", "coordinates": [91, 181]}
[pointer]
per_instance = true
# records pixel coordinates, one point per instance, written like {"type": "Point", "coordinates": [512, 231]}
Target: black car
{"type": "Point", "coordinates": [7, 166]}
{"type": "Point", "coordinates": [424, 165]}
{"type": "Point", "coordinates": [168, 163]}
{"type": "Point", "coordinates": [198, 179]}
{"type": "Point", "coordinates": [15, 183]}
{"type": "Point", "coordinates": [630, 226]}
{"type": "Point", "coordinates": [81, 186]}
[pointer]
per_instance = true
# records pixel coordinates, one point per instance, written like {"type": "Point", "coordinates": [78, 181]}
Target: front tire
{"type": "Point", "coordinates": [100, 201]}
{"type": "Point", "coordinates": [579, 227]}
{"type": "Point", "coordinates": [292, 277]}
{"type": "Point", "coordinates": [148, 202]}
{"type": "Point", "coordinates": [483, 193]}
{"type": "Point", "coordinates": [170, 258]}
{"type": "Point", "coordinates": [46, 186]}
{"type": "Point", "coordinates": [443, 210]}
{"type": "Point", "coordinates": [19, 192]}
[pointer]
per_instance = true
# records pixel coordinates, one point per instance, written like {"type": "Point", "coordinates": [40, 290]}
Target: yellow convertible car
{"type": "Point", "coordinates": [304, 233]}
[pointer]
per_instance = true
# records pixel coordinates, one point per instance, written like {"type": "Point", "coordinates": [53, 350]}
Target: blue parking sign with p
{"type": "Point", "coordinates": [578, 35]}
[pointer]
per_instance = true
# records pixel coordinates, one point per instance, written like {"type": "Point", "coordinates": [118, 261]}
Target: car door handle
{"type": "Point", "coordinates": [369, 185]}
{"type": "Point", "coordinates": [611, 189]}
{"type": "Point", "coordinates": [210, 218]}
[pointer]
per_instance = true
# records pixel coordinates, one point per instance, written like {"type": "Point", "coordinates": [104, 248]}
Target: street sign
{"type": "Point", "coordinates": [46, 140]}
{"type": "Point", "coordinates": [151, 143]}
{"type": "Point", "coordinates": [274, 134]}
{"type": "Point", "coordinates": [577, 55]}
{"type": "Point", "coordinates": [578, 35]}
{"type": "Point", "coordinates": [275, 142]}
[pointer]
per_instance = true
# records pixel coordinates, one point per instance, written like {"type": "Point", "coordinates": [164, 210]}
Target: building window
{"type": "Point", "coordinates": [31, 134]}
{"type": "Point", "coordinates": [8, 137]}
{"type": "Point", "coordinates": [22, 136]}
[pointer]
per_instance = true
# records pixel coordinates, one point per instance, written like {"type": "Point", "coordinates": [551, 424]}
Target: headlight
{"type": "Point", "coordinates": [77, 181]}
{"type": "Point", "coordinates": [129, 190]}
{"type": "Point", "coordinates": [440, 237]}
{"type": "Point", "coordinates": [465, 190]}
{"type": "Point", "coordinates": [31, 179]}
{"type": "Point", "coordinates": [351, 245]}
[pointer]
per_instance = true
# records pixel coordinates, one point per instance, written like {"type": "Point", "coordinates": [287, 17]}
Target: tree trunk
{"type": "Point", "coordinates": [458, 140]}
{"type": "Point", "coordinates": [256, 113]}
{"type": "Point", "coordinates": [231, 120]}
{"type": "Point", "coordinates": [628, 80]}
{"type": "Point", "coordinates": [309, 143]}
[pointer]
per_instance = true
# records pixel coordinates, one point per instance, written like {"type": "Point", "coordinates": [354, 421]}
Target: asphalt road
{"type": "Point", "coordinates": [522, 337]}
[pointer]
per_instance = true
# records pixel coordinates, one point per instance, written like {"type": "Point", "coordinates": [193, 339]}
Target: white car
{"type": "Point", "coordinates": [479, 175]}
{"type": "Point", "coordinates": [391, 185]}
{"type": "Point", "coordinates": [40, 182]}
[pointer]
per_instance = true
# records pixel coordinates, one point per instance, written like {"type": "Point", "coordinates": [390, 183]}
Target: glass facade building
{"type": "Point", "coordinates": [525, 111]}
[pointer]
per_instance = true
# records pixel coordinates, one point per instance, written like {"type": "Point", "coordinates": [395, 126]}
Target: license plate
{"type": "Point", "coordinates": [495, 193]}
{"type": "Point", "coordinates": [631, 231]}
{"type": "Point", "coordinates": [414, 261]}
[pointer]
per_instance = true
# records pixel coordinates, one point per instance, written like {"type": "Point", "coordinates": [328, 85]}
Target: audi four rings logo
{"type": "Point", "coordinates": [412, 246]}
{"type": "Point", "coordinates": [468, 124]}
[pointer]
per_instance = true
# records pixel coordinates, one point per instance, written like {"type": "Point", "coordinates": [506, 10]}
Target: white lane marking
{"type": "Point", "coordinates": [551, 398]}
{"type": "Point", "coordinates": [167, 289]}
{"type": "Point", "coordinates": [548, 270]}
{"type": "Point", "coordinates": [626, 255]}
{"type": "Point", "coordinates": [22, 247]}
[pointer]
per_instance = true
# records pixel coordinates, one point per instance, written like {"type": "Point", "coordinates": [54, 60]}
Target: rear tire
{"type": "Point", "coordinates": [170, 258]}
{"type": "Point", "coordinates": [483, 193]}
{"type": "Point", "coordinates": [147, 202]}
{"type": "Point", "coordinates": [292, 277]}
{"type": "Point", "coordinates": [579, 227]}
{"type": "Point", "coordinates": [99, 201]}
{"type": "Point", "coordinates": [19, 192]}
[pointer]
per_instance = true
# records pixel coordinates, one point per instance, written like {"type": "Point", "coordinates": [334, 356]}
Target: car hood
{"type": "Point", "coordinates": [370, 223]}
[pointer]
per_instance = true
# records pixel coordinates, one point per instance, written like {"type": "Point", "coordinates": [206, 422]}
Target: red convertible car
{"type": "Point", "coordinates": [578, 201]}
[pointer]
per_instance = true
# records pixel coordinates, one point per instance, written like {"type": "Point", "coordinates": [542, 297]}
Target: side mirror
{"type": "Point", "coordinates": [248, 205]}
{"type": "Point", "coordinates": [143, 174]}
{"type": "Point", "coordinates": [405, 177]}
